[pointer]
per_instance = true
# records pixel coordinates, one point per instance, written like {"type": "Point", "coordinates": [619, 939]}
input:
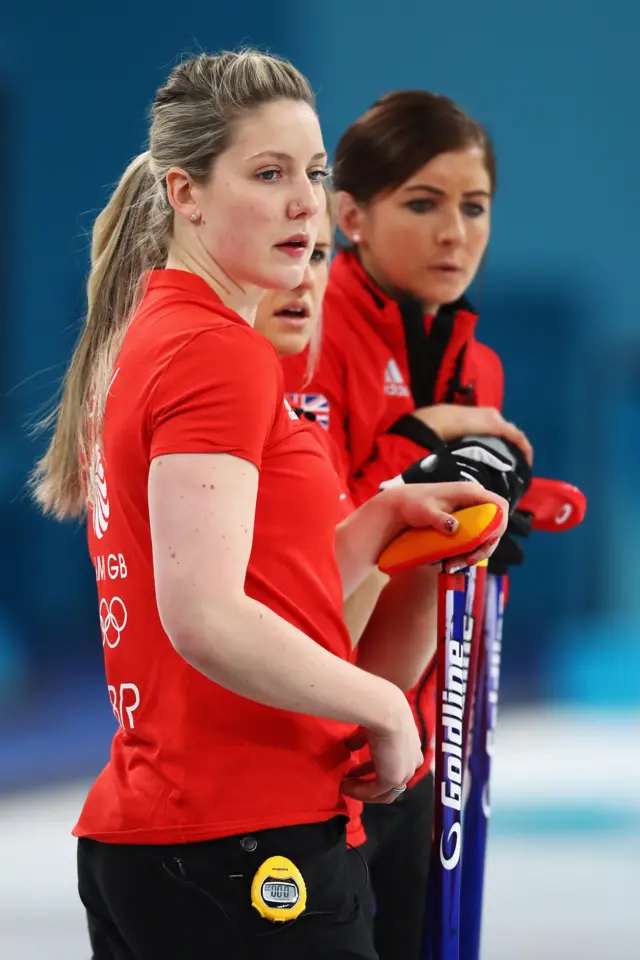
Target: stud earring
{"type": "Point", "coordinates": [194, 218]}
{"type": "Point", "coordinates": [356, 238]}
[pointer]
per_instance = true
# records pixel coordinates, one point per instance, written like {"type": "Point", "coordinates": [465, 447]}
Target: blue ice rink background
{"type": "Point", "coordinates": [557, 84]}
{"type": "Point", "coordinates": [562, 871]}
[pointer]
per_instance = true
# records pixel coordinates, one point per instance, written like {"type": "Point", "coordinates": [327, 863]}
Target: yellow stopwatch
{"type": "Point", "coordinates": [278, 891]}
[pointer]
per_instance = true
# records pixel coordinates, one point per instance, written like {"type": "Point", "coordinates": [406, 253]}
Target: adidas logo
{"type": "Point", "coordinates": [394, 385]}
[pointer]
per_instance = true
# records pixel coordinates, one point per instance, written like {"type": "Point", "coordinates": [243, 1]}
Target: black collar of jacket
{"type": "Point", "coordinates": [401, 324]}
{"type": "Point", "coordinates": [426, 350]}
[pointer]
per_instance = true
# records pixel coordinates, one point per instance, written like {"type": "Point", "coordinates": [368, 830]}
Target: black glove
{"type": "Point", "coordinates": [495, 463]}
{"type": "Point", "coordinates": [509, 552]}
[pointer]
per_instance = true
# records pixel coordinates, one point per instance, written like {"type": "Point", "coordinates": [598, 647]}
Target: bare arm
{"type": "Point", "coordinates": [359, 606]}
{"type": "Point", "coordinates": [400, 638]}
{"type": "Point", "coordinates": [202, 510]}
{"type": "Point", "coordinates": [361, 538]}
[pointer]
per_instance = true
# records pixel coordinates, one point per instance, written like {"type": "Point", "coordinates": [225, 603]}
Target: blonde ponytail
{"type": "Point", "coordinates": [129, 238]}
{"type": "Point", "coordinates": [193, 120]}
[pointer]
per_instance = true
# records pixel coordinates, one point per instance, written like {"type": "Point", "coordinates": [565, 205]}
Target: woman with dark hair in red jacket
{"type": "Point", "coordinates": [400, 373]}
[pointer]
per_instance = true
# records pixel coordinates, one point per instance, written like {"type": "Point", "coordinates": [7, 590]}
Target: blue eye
{"type": "Point", "coordinates": [473, 209]}
{"type": "Point", "coordinates": [317, 176]}
{"type": "Point", "coordinates": [318, 255]}
{"type": "Point", "coordinates": [269, 175]}
{"type": "Point", "coordinates": [424, 205]}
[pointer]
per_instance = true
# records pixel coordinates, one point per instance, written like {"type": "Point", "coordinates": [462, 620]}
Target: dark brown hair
{"type": "Point", "coordinates": [397, 136]}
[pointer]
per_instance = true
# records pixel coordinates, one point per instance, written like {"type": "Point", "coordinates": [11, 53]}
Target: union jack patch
{"type": "Point", "coordinates": [313, 403]}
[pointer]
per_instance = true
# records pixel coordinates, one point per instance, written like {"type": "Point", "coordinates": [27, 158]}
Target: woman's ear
{"type": "Point", "coordinates": [351, 217]}
{"type": "Point", "coordinates": [180, 194]}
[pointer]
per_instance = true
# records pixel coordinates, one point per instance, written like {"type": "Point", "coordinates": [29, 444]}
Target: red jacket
{"type": "Point", "coordinates": [379, 361]}
{"type": "Point", "coordinates": [371, 374]}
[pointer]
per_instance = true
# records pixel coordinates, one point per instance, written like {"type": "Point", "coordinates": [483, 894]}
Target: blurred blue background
{"type": "Point", "coordinates": [557, 85]}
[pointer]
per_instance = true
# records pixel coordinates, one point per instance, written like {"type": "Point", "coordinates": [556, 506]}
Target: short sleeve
{"type": "Point", "coordinates": [218, 394]}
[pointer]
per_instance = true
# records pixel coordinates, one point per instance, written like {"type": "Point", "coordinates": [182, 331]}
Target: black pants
{"type": "Point", "coordinates": [193, 901]}
{"type": "Point", "coordinates": [397, 850]}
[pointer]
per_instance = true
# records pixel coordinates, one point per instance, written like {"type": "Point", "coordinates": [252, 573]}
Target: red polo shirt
{"type": "Point", "coordinates": [190, 760]}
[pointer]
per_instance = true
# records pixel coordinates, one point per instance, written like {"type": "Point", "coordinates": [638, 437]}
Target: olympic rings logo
{"type": "Point", "coordinates": [113, 620]}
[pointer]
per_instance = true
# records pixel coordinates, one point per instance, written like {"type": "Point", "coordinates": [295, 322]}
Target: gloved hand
{"type": "Point", "coordinates": [495, 463]}
{"type": "Point", "coordinates": [509, 552]}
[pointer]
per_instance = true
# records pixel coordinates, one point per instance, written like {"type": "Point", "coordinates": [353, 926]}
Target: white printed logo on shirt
{"type": "Point", "coordinates": [101, 507]}
{"type": "Point", "coordinates": [292, 414]}
{"type": "Point", "coordinates": [98, 482]}
{"type": "Point", "coordinates": [394, 385]}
